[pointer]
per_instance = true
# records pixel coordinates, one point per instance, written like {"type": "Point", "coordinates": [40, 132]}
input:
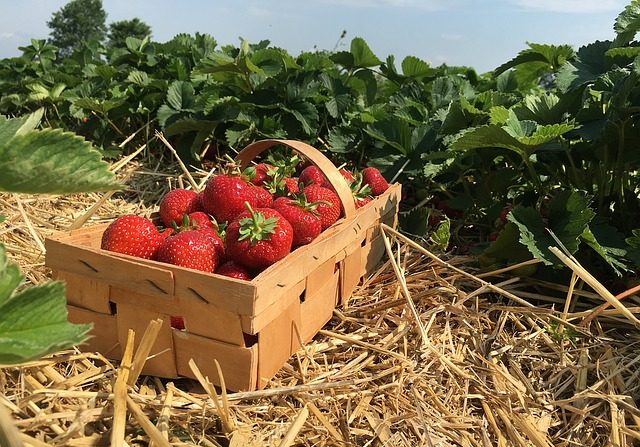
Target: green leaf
{"type": "Point", "coordinates": [306, 114]}
{"type": "Point", "coordinates": [363, 57]}
{"type": "Point", "coordinates": [551, 55]}
{"type": "Point", "coordinates": [633, 243]}
{"type": "Point", "coordinates": [568, 217]}
{"type": "Point", "coordinates": [415, 221]}
{"type": "Point", "coordinates": [181, 95]}
{"type": "Point", "coordinates": [608, 243]}
{"type": "Point", "coordinates": [487, 136]}
{"type": "Point", "coordinates": [19, 126]}
{"type": "Point", "coordinates": [33, 322]}
{"type": "Point", "coordinates": [498, 115]}
{"type": "Point", "coordinates": [627, 23]}
{"type": "Point", "coordinates": [51, 161]}
{"type": "Point", "coordinates": [2, 218]}
{"type": "Point", "coordinates": [440, 237]}
{"type": "Point", "coordinates": [414, 67]}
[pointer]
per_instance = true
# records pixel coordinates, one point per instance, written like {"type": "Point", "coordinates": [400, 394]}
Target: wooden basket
{"type": "Point", "coordinates": [250, 327]}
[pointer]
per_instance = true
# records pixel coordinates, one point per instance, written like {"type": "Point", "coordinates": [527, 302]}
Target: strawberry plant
{"type": "Point", "coordinates": [33, 320]}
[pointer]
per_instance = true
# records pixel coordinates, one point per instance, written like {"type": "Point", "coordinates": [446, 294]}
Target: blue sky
{"type": "Point", "coordinates": [479, 33]}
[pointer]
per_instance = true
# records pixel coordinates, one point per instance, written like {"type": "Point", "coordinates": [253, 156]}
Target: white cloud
{"type": "Point", "coordinates": [572, 6]}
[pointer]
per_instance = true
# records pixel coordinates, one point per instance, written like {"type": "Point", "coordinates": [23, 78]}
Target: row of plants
{"type": "Point", "coordinates": [547, 141]}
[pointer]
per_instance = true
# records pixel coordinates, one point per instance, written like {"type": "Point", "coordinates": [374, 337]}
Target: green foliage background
{"type": "Point", "coordinates": [552, 133]}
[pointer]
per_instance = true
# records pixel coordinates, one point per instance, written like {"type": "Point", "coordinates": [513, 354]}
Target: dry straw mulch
{"type": "Point", "coordinates": [424, 354]}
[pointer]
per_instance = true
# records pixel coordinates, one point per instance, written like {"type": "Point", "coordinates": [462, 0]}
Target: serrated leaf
{"type": "Point", "coordinates": [627, 23]}
{"type": "Point", "coordinates": [33, 322]}
{"type": "Point", "coordinates": [440, 237]}
{"type": "Point", "coordinates": [363, 57]}
{"type": "Point", "coordinates": [54, 162]}
{"type": "Point", "coordinates": [498, 115]}
{"type": "Point", "coordinates": [138, 77]}
{"type": "Point", "coordinates": [545, 134]}
{"type": "Point", "coordinates": [487, 136]}
{"type": "Point", "coordinates": [415, 221]}
{"type": "Point", "coordinates": [181, 95]}
{"type": "Point", "coordinates": [569, 217]}
{"type": "Point", "coordinates": [370, 84]}
{"type": "Point", "coordinates": [414, 67]}
{"type": "Point", "coordinates": [552, 55]}
{"type": "Point", "coordinates": [608, 243]}
{"type": "Point", "coordinates": [306, 114]}
{"type": "Point", "coordinates": [19, 126]}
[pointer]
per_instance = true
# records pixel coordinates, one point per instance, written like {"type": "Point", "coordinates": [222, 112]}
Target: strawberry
{"type": "Point", "coordinates": [302, 216]}
{"type": "Point", "coordinates": [280, 186]}
{"type": "Point", "coordinates": [264, 197]}
{"type": "Point", "coordinates": [372, 177]}
{"type": "Point", "coordinates": [199, 220]}
{"type": "Point", "coordinates": [329, 212]}
{"type": "Point", "coordinates": [257, 239]}
{"type": "Point", "coordinates": [259, 173]}
{"type": "Point", "coordinates": [177, 322]}
{"type": "Point", "coordinates": [361, 193]}
{"type": "Point", "coordinates": [175, 204]}
{"type": "Point", "coordinates": [291, 184]}
{"type": "Point", "coordinates": [214, 236]}
{"type": "Point", "coordinates": [348, 176]}
{"type": "Point", "coordinates": [191, 249]}
{"type": "Point", "coordinates": [234, 270]}
{"type": "Point", "coordinates": [311, 175]}
{"type": "Point", "coordinates": [225, 195]}
{"type": "Point", "coordinates": [362, 201]}
{"type": "Point", "coordinates": [132, 235]}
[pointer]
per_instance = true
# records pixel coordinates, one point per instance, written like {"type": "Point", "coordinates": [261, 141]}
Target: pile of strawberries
{"type": "Point", "coordinates": [241, 223]}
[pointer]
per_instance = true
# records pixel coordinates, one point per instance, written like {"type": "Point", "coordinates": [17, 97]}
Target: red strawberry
{"type": "Point", "coordinates": [175, 204]}
{"type": "Point", "coordinates": [348, 176]}
{"type": "Point", "coordinates": [372, 177]}
{"type": "Point", "coordinates": [132, 235]}
{"type": "Point", "coordinates": [257, 239]}
{"type": "Point", "coordinates": [213, 235]}
{"type": "Point", "coordinates": [361, 193]}
{"type": "Point", "coordinates": [225, 195]}
{"type": "Point", "coordinates": [329, 212]}
{"type": "Point", "coordinates": [291, 183]}
{"type": "Point", "coordinates": [234, 270]}
{"type": "Point", "coordinates": [177, 322]}
{"type": "Point", "coordinates": [311, 175]}
{"type": "Point", "coordinates": [362, 201]}
{"type": "Point", "coordinates": [302, 216]}
{"type": "Point", "coordinates": [264, 197]}
{"type": "Point", "coordinates": [259, 173]}
{"type": "Point", "coordinates": [198, 205]}
{"type": "Point", "coordinates": [199, 220]}
{"type": "Point", "coordinates": [191, 249]}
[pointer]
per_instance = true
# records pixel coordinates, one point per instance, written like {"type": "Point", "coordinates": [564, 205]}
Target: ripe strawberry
{"type": "Point", "coordinates": [177, 322]}
{"type": "Point", "coordinates": [175, 204]}
{"type": "Point", "coordinates": [199, 220]}
{"type": "Point", "coordinates": [191, 249]}
{"type": "Point", "coordinates": [280, 186]}
{"type": "Point", "coordinates": [311, 175]}
{"type": "Point", "coordinates": [225, 195]}
{"type": "Point", "coordinates": [257, 239]}
{"type": "Point", "coordinates": [362, 201]}
{"type": "Point", "coordinates": [291, 183]}
{"type": "Point", "coordinates": [330, 211]}
{"type": "Point", "coordinates": [234, 270]}
{"type": "Point", "coordinates": [264, 197]}
{"type": "Point", "coordinates": [302, 216]}
{"type": "Point", "coordinates": [372, 177]}
{"type": "Point", "coordinates": [215, 238]}
{"type": "Point", "coordinates": [132, 235]}
{"type": "Point", "coordinates": [348, 176]}
{"type": "Point", "coordinates": [259, 173]}
{"type": "Point", "coordinates": [361, 193]}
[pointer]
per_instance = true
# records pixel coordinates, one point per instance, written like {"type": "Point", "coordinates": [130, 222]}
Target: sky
{"type": "Point", "coordinates": [479, 33]}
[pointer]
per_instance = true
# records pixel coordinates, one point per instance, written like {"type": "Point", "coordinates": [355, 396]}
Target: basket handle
{"type": "Point", "coordinates": [316, 157]}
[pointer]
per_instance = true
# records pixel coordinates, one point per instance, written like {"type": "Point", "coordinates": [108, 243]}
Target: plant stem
{"type": "Point", "coordinates": [533, 173]}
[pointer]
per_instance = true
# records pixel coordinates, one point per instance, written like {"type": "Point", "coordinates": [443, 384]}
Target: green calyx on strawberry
{"type": "Point", "coordinates": [258, 238]}
{"type": "Point", "coordinates": [361, 192]}
{"type": "Point", "coordinates": [256, 227]}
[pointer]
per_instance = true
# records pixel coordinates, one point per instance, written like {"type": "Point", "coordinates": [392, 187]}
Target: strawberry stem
{"type": "Point", "coordinates": [256, 228]}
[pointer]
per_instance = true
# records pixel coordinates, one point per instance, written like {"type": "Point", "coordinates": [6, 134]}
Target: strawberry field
{"type": "Point", "coordinates": [504, 312]}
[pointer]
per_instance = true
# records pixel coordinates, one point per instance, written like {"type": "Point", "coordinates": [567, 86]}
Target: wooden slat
{"type": "Point", "coordinates": [317, 308]}
{"type": "Point", "coordinates": [131, 316]}
{"type": "Point", "coordinates": [86, 292]}
{"type": "Point", "coordinates": [104, 335]}
{"type": "Point", "coordinates": [252, 324]}
{"type": "Point", "coordinates": [128, 271]}
{"type": "Point", "coordinates": [239, 365]}
{"type": "Point", "coordinates": [200, 318]}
